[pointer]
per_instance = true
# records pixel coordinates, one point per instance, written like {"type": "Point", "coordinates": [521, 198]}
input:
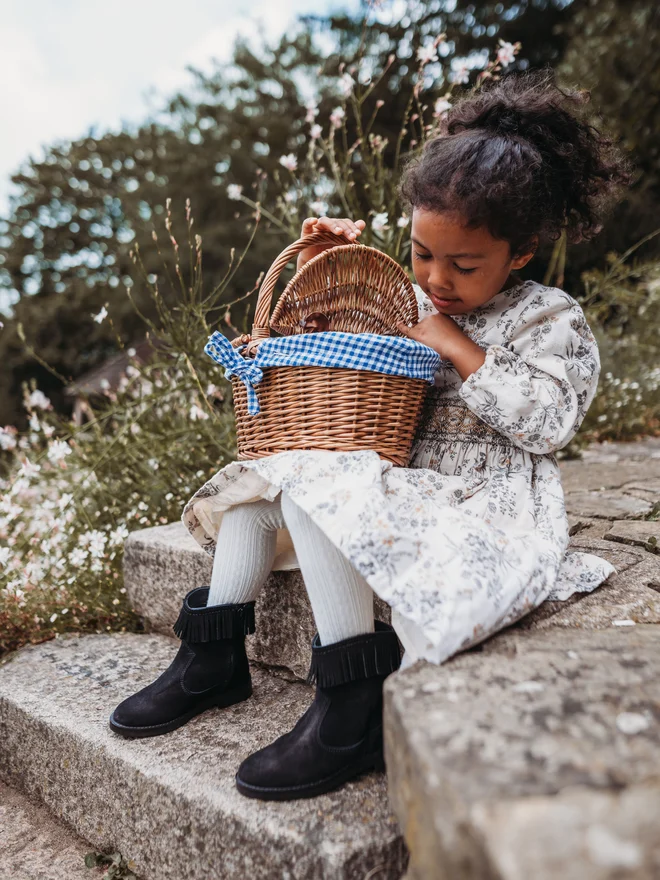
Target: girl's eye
{"type": "Point", "coordinates": [464, 271]}
{"type": "Point", "coordinates": [422, 256]}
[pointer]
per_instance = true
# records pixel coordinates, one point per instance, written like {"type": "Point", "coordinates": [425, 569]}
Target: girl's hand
{"type": "Point", "coordinates": [443, 335]}
{"type": "Point", "coordinates": [436, 331]}
{"type": "Point", "coordinates": [351, 229]}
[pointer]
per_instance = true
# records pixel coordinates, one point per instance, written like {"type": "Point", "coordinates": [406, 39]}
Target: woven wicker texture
{"type": "Point", "coordinates": [361, 290]}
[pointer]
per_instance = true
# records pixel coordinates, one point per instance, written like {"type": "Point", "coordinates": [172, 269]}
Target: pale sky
{"type": "Point", "coordinates": [66, 65]}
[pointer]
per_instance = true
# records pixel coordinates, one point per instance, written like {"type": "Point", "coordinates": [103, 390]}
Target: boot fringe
{"type": "Point", "coordinates": [365, 656]}
{"type": "Point", "coordinates": [197, 623]}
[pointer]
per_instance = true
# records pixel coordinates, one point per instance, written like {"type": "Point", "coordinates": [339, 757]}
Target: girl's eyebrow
{"type": "Point", "coordinates": [453, 256]}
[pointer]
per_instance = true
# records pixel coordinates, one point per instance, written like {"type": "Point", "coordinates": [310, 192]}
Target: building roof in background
{"type": "Point", "coordinates": [112, 369]}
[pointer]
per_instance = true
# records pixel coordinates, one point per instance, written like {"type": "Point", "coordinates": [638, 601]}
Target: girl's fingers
{"type": "Point", "coordinates": [403, 328]}
{"type": "Point", "coordinates": [345, 226]}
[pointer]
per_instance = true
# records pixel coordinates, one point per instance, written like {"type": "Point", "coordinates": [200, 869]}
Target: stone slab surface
{"type": "Point", "coordinates": [605, 504]}
{"type": "Point", "coordinates": [169, 803]}
{"type": "Point", "coordinates": [640, 533]}
{"type": "Point", "coordinates": [612, 466]}
{"type": "Point", "coordinates": [35, 846]}
{"type": "Point", "coordinates": [633, 593]}
{"type": "Point", "coordinates": [163, 562]}
{"type": "Point", "coordinates": [538, 760]}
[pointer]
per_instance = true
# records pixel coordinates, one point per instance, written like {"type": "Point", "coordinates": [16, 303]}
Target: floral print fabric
{"type": "Point", "coordinates": [473, 534]}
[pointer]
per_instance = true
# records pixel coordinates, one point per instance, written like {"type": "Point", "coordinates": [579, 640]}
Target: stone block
{"type": "Point", "coordinates": [538, 760]}
{"type": "Point", "coordinates": [34, 845]}
{"type": "Point", "coordinates": [162, 563]}
{"type": "Point", "coordinates": [638, 533]}
{"type": "Point", "coordinates": [605, 504]}
{"type": "Point", "coordinates": [169, 804]}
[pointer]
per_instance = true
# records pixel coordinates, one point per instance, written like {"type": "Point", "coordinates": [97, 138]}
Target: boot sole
{"type": "Point", "coordinates": [374, 761]}
{"type": "Point", "coordinates": [220, 701]}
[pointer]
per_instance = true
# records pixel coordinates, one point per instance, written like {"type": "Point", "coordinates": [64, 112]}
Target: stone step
{"type": "Point", "coordinates": [535, 757]}
{"type": "Point", "coordinates": [169, 804]}
{"type": "Point", "coordinates": [162, 563]}
{"type": "Point", "coordinates": [35, 846]}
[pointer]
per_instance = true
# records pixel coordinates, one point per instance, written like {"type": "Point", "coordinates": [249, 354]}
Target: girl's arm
{"type": "Point", "coordinates": [536, 388]}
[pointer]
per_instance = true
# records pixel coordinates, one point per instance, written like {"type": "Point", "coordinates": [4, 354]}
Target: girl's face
{"type": "Point", "coordinates": [458, 268]}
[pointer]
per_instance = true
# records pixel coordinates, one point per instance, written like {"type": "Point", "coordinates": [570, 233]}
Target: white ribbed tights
{"type": "Point", "coordinates": [341, 599]}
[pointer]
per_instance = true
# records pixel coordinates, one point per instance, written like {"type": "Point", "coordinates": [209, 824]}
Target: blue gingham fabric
{"type": "Point", "coordinates": [392, 355]}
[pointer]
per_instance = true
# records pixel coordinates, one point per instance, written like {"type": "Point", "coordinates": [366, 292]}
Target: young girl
{"type": "Point", "coordinates": [473, 534]}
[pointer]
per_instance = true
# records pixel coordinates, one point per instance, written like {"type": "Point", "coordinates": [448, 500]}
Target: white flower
{"type": "Point", "coordinates": [49, 430]}
{"type": "Point", "coordinates": [29, 470]}
{"type": "Point", "coordinates": [58, 450]}
{"type": "Point", "coordinates": [378, 142]}
{"type": "Point", "coordinates": [4, 555]}
{"type": "Point", "coordinates": [315, 131]}
{"type": "Point", "coordinates": [403, 221]}
{"type": "Point", "coordinates": [289, 161]}
{"type": "Point", "coordinates": [289, 197]}
{"type": "Point", "coordinates": [53, 617]}
{"type": "Point", "coordinates": [14, 590]}
{"type": "Point", "coordinates": [319, 208]}
{"type": "Point", "coordinates": [102, 315]}
{"type": "Point", "coordinates": [312, 111]}
{"type": "Point", "coordinates": [35, 424]}
{"type": "Point", "coordinates": [7, 439]}
{"type": "Point", "coordinates": [118, 535]}
{"type": "Point", "coordinates": [442, 105]}
{"type": "Point", "coordinates": [234, 191]}
{"type": "Point", "coordinates": [427, 54]}
{"type": "Point", "coordinates": [460, 74]}
{"type": "Point", "coordinates": [197, 413]}
{"type": "Point", "coordinates": [97, 544]}
{"type": "Point", "coordinates": [39, 400]}
{"type": "Point", "coordinates": [337, 116]}
{"type": "Point", "coordinates": [77, 556]}
{"type": "Point", "coordinates": [346, 82]}
{"type": "Point", "coordinates": [379, 222]}
{"type": "Point", "coordinates": [104, 384]}
{"type": "Point", "coordinates": [506, 53]}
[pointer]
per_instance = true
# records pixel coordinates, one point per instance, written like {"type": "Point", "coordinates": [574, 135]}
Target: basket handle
{"type": "Point", "coordinates": [260, 327]}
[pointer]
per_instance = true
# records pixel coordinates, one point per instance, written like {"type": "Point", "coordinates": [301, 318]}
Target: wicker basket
{"type": "Point", "coordinates": [360, 290]}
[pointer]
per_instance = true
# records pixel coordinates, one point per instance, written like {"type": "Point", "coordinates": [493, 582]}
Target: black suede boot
{"type": "Point", "coordinates": [341, 734]}
{"type": "Point", "coordinates": [210, 669]}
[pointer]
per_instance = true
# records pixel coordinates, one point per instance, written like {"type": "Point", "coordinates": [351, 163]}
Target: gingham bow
{"type": "Point", "coordinates": [219, 348]}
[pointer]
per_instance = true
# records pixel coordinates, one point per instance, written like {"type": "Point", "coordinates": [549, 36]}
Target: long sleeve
{"type": "Point", "coordinates": [537, 387]}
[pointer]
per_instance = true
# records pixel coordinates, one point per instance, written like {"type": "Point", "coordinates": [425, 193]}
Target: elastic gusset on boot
{"type": "Point", "coordinates": [355, 658]}
{"type": "Point", "coordinates": [197, 623]}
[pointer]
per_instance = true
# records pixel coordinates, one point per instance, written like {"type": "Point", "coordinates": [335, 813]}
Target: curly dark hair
{"type": "Point", "coordinates": [518, 157]}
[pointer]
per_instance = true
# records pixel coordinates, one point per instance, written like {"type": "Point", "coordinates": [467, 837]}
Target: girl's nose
{"type": "Point", "coordinates": [439, 279]}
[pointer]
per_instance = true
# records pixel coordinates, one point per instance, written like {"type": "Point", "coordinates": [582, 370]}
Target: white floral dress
{"type": "Point", "coordinates": [473, 534]}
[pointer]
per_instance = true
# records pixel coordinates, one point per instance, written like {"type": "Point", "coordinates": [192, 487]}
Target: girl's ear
{"type": "Point", "coordinates": [522, 259]}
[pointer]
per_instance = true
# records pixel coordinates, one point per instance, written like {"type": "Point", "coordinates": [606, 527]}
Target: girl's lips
{"type": "Point", "coordinates": [442, 301]}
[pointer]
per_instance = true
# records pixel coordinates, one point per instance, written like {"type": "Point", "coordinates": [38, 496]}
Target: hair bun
{"type": "Point", "coordinates": [503, 115]}
{"type": "Point", "coordinates": [519, 157]}
{"type": "Point", "coordinates": [507, 122]}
